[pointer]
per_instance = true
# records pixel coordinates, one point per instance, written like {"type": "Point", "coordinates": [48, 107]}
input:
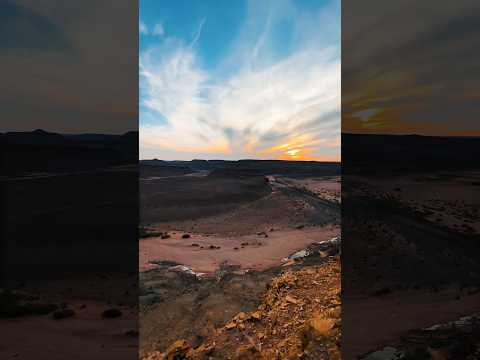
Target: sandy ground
{"type": "Point", "coordinates": [409, 248]}
{"type": "Point", "coordinates": [258, 252]}
{"type": "Point", "coordinates": [85, 336]}
{"type": "Point", "coordinates": [389, 317]}
{"type": "Point", "coordinates": [328, 189]}
{"type": "Point", "coordinates": [290, 203]}
{"type": "Point", "coordinates": [256, 234]}
{"type": "Point", "coordinates": [448, 199]}
{"type": "Point", "coordinates": [253, 234]}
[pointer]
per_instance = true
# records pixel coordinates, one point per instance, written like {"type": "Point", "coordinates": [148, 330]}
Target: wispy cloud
{"type": "Point", "coordinates": [287, 107]}
{"type": "Point", "coordinates": [142, 28]}
{"type": "Point", "coordinates": [158, 29]}
{"type": "Point", "coordinates": [198, 33]}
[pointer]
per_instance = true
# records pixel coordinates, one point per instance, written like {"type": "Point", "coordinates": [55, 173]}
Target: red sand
{"type": "Point", "coordinates": [261, 253]}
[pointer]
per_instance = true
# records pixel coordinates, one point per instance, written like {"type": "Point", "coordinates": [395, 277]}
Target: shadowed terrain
{"type": "Point", "coordinates": [69, 244]}
{"type": "Point", "coordinates": [411, 239]}
{"type": "Point", "coordinates": [217, 238]}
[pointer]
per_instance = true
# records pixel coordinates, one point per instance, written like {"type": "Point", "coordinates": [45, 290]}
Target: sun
{"type": "Point", "coordinates": [293, 153]}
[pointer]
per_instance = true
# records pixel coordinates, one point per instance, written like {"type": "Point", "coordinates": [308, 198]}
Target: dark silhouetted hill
{"type": "Point", "coordinates": [368, 153]}
{"type": "Point", "coordinates": [41, 151]}
{"type": "Point", "coordinates": [255, 167]}
{"type": "Point", "coordinates": [80, 217]}
{"type": "Point", "coordinates": [147, 170]}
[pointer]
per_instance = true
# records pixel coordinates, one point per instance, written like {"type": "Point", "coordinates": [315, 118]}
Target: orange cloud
{"type": "Point", "coordinates": [303, 147]}
{"type": "Point", "coordinates": [395, 99]}
{"type": "Point", "coordinates": [218, 147]}
{"type": "Point", "coordinates": [306, 154]}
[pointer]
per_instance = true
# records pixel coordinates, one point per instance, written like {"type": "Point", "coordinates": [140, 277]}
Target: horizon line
{"type": "Point", "coordinates": [291, 160]}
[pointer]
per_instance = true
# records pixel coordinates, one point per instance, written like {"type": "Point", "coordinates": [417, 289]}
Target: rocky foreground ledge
{"type": "Point", "coordinates": [299, 318]}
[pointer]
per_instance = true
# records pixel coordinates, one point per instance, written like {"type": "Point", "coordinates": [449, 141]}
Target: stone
{"type": "Point", "coordinates": [248, 352]}
{"type": "Point", "coordinates": [291, 299]}
{"type": "Point", "coordinates": [179, 350]}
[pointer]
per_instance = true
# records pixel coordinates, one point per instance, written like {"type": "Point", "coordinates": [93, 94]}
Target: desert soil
{"type": "Point", "coordinates": [251, 252]}
{"type": "Point", "coordinates": [409, 255]}
{"type": "Point", "coordinates": [235, 266]}
{"type": "Point", "coordinates": [86, 335]}
{"type": "Point", "coordinates": [83, 332]}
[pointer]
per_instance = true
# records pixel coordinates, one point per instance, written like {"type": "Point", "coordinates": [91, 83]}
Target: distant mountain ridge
{"type": "Point", "coordinates": [377, 152]}
{"type": "Point", "coordinates": [252, 167]}
{"type": "Point", "coordinates": [42, 151]}
{"type": "Point", "coordinates": [42, 137]}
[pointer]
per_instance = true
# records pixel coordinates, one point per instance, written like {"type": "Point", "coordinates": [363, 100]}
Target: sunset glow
{"type": "Point", "coordinates": [265, 84]}
{"type": "Point", "coordinates": [390, 87]}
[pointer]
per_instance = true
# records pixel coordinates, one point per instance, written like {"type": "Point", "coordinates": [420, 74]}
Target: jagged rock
{"type": "Point", "coordinates": [205, 349]}
{"type": "Point", "coordinates": [291, 299]}
{"type": "Point", "coordinates": [256, 315]}
{"type": "Point", "coordinates": [179, 350]}
{"type": "Point", "coordinates": [231, 325]}
{"type": "Point", "coordinates": [298, 318]}
{"type": "Point", "coordinates": [320, 326]}
{"type": "Point", "coordinates": [240, 316]}
{"type": "Point", "coordinates": [248, 352]}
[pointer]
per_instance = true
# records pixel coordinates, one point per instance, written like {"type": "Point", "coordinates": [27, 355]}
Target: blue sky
{"type": "Point", "coordinates": [240, 79]}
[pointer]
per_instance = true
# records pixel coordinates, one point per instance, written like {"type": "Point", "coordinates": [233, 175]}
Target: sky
{"type": "Point", "coordinates": [239, 79]}
{"type": "Point", "coordinates": [410, 77]}
{"type": "Point", "coordinates": [69, 67]}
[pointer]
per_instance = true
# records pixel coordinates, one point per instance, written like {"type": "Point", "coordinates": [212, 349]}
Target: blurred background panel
{"type": "Point", "coordinates": [69, 178]}
{"type": "Point", "coordinates": [410, 175]}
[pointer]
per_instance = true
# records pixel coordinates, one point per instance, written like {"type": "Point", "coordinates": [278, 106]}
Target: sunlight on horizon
{"type": "Point", "coordinates": [260, 82]}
